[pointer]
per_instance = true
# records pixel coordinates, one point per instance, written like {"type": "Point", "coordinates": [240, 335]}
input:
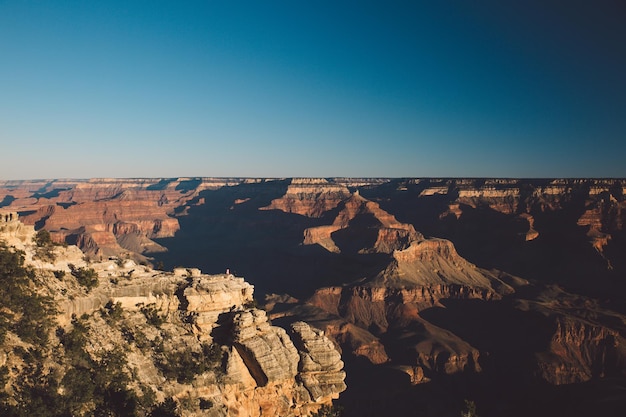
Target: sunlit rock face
{"type": "Point", "coordinates": [262, 370]}
{"type": "Point", "coordinates": [311, 197]}
{"type": "Point", "coordinates": [363, 217]}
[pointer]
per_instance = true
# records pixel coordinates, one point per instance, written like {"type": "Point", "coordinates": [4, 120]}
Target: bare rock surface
{"type": "Point", "coordinates": [267, 351]}
{"type": "Point", "coordinates": [320, 366]}
{"type": "Point", "coordinates": [311, 197]}
{"type": "Point", "coordinates": [162, 326]}
{"type": "Point", "coordinates": [361, 214]}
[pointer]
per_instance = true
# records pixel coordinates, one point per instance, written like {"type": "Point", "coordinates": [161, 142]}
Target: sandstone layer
{"type": "Point", "coordinates": [163, 322]}
{"type": "Point", "coordinates": [309, 197]}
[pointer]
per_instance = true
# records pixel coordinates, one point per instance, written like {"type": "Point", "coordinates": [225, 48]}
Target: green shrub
{"type": "Point", "coordinates": [167, 408]}
{"type": "Point", "coordinates": [112, 312]}
{"type": "Point", "coordinates": [45, 246]}
{"type": "Point", "coordinates": [469, 409]}
{"type": "Point", "coordinates": [36, 394]}
{"type": "Point", "coordinates": [79, 389]}
{"type": "Point", "coordinates": [152, 315]}
{"type": "Point", "coordinates": [329, 411]}
{"type": "Point", "coordinates": [25, 312]}
{"type": "Point", "coordinates": [87, 277]}
{"type": "Point", "coordinates": [184, 365]}
{"type": "Point", "coordinates": [74, 343]}
{"type": "Point", "coordinates": [42, 238]}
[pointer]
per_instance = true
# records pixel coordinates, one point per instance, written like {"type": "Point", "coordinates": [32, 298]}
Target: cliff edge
{"type": "Point", "coordinates": [123, 338]}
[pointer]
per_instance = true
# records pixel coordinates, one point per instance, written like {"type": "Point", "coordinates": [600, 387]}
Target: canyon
{"type": "Point", "coordinates": [505, 291]}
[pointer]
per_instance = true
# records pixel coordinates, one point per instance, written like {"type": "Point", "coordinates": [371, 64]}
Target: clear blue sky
{"type": "Point", "coordinates": [312, 88]}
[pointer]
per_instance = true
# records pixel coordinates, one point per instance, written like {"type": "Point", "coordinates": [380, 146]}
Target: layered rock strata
{"type": "Point", "coordinates": [311, 197]}
{"type": "Point", "coordinates": [107, 217]}
{"type": "Point", "coordinates": [390, 233]}
{"type": "Point", "coordinates": [162, 316]}
{"type": "Point", "coordinates": [320, 366]}
{"type": "Point", "coordinates": [268, 352]}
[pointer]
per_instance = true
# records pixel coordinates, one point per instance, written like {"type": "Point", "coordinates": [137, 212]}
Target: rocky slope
{"type": "Point", "coordinates": [185, 337]}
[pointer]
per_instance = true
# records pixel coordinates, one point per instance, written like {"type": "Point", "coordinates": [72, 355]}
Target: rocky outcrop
{"type": "Point", "coordinates": [292, 374]}
{"type": "Point", "coordinates": [603, 218]}
{"type": "Point", "coordinates": [531, 233]}
{"type": "Point", "coordinates": [601, 202]}
{"type": "Point", "coordinates": [375, 307]}
{"type": "Point", "coordinates": [505, 200]}
{"type": "Point", "coordinates": [311, 197]}
{"type": "Point", "coordinates": [358, 341]}
{"type": "Point", "coordinates": [267, 351]}
{"type": "Point", "coordinates": [442, 352]}
{"type": "Point", "coordinates": [417, 278]}
{"type": "Point", "coordinates": [181, 334]}
{"type": "Point", "coordinates": [13, 231]}
{"type": "Point", "coordinates": [206, 297]}
{"type": "Point", "coordinates": [105, 228]}
{"type": "Point", "coordinates": [584, 342]}
{"type": "Point", "coordinates": [579, 351]}
{"type": "Point", "coordinates": [384, 311]}
{"type": "Point", "coordinates": [362, 216]}
{"type": "Point", "coordinates": [435, 263]}
{"type": "Point", "coordinates": [320, 366]}
{"type": "Point", "coordinates": [420, 274]}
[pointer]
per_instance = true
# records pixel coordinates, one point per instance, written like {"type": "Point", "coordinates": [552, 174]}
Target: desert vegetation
{"type": "Point", "coordinates": [86, 277]}
{"type": "Point", "coordinates": [55, 371]}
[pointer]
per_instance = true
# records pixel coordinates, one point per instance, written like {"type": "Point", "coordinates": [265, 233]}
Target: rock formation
{"type": "Point", "coordinates": [171, 329]}
{"type": "Point", "coordinates": [584, 343]}
{"type": "Point", "coordinates": [320, 365]}
{"type": "Point", "coordinates": [310, 197]}
{"type": "Point", "coordinates": [268, 352]}
{"type": "Point", "coordinates": [363, 216]}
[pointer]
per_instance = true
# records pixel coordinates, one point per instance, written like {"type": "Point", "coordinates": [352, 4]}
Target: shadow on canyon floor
{"type": "Point", "coordinates": [381, 390]}
{"type": "Point", "coordinates": [391, 394]}
{"type": "Point", "coordinates": [264, 246]}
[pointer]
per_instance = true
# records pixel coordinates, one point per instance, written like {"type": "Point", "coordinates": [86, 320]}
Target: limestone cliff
{"type": "Point", "coordinates": [182, 335]}
{"type": "Point", "coordinates": [311, 197]}
{"type": "Point", "coordinates": [599, 203]}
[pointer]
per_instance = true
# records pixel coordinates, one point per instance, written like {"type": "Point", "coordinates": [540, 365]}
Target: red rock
{"type": "Point", "coordinates": [311, 197]}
